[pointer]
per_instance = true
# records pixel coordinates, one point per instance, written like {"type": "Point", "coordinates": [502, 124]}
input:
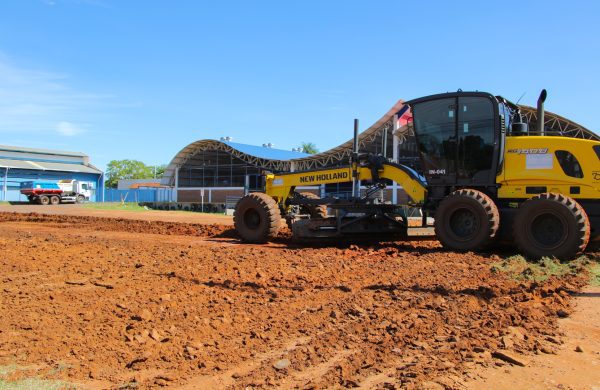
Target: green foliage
{"type": "Point", "coordinates": [519, 268]}
{"type": "Point", "coordinates": [309, 147]}
{"type": "Point", "coordinates": [160, 170]}
{"type": "Point", "coordinates": [126, 169]}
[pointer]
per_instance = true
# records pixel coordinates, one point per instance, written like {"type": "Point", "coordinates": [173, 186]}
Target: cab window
{"type": "Point", "coordinates": [597, 150]}
{"type": "Point", "coordinates": [435, 124]}
{"type": "Point", "coordinates": [475, 137]}
{"type": "Point", "coordinates": [569, 164]}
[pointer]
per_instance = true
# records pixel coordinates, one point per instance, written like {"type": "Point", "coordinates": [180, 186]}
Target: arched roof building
{"type": "Point", "coordinates": [197, 164]}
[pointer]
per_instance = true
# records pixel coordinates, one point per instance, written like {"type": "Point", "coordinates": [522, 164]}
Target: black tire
{"type": "Point", "coordinates": [44, 200]}
{"type": "Point", "coordinates": [80, 199]}
{"type": "Point", "coordinates": [54, 200]}
{"type": "Point", "coordinates": [551, 224]}
{"type": "Point", "coordinates": [466, 220]}
{"type": "Point", "coordinates": [257, 218]}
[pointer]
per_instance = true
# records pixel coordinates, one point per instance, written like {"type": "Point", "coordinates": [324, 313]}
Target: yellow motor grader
{"type": "Point", "coordinates": [482, 172]}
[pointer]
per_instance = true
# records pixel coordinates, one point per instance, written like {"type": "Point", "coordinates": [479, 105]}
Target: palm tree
{"type": "Point", "coordinates": [309, 147]}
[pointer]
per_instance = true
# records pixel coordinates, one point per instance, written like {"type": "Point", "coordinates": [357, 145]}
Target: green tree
{"type": "Point", "coordinates": [159, 170]}
{"type": "Point", "coordinates": [126, 169]}
{"type": "Point", "coordinates": [309, 147]}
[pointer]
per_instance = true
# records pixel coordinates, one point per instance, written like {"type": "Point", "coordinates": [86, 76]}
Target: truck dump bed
{"type": "Point", "coordinates": [39, 187]}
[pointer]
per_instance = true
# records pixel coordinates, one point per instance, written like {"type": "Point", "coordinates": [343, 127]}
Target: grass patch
{"type": "Point", "coordinates": [31, 383]}
{"type": "Point", "coordinates": [519, 268]}
{"type": "Point", "coordinates": [34, 384]}
{"type": "Point", "coordinates": [116, 206]}
{"type": "Point", "coordinates": [595, 274]}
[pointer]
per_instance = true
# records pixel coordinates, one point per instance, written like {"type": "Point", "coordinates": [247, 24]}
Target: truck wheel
{"type": "Point", "coordinates": [80, 199]}
{"type": "Point", "coordinates": [257, 218]}
{"type": "Point", "coordinates": [54, 200]}
{"type": "Point", "coordinates": [315, 211]}
{"type": "Point", "coordinates": [466, 220]}
{"type": "Point", "coordinates": [551, 225]}
{"type": "Point", "coordinates": [44, 200]}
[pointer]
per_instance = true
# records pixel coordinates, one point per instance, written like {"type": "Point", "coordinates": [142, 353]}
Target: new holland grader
{"type": "Point", "coordinates": [484, 175]}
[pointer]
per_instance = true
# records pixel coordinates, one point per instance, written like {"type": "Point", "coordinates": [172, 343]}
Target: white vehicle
{"type": "Point", "coordinates": [65, 191]}
{"type": "Point", "coordinates": [79, 190]}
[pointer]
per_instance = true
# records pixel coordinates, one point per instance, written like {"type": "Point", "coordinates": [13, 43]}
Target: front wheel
{"type": "Point", "coordinates": [551, 225]}
{"type": "Point", "coordinates": [80, 199]}
{"type": "Point", "coordinates": [257, 218]}
{"type": "Point", "coordinates": [466, 220]}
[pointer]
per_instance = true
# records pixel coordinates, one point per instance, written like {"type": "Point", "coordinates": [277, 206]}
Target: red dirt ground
{"type": "Point", "coordinates": [149, 215]}
{"type": "Point", "coordinates": [106, 303]}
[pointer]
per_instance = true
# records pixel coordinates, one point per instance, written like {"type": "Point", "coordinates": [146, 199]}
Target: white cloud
{"type": "Point", "coordinates": [38, 101]}
{"type": "Point", "coordinates": [68, 129]}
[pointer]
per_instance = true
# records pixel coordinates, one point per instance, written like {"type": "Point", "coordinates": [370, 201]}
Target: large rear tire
{"type": "Point", "coordinates": [54, 200]}
{"type": "Point", "coordinates": [257, 218]}
{"type": "Point", "coordinates": [466, 220]}
{"type": "Point", "coordinates": [44, 200]}
{"type": "Point", "coordinates": [551, 224]}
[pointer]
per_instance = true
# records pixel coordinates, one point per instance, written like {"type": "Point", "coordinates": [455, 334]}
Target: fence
{"type": "Point", "coordinates": [140, 195]}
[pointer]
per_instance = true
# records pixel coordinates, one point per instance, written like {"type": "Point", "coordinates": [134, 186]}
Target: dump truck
{"type": "Point", "coordinates": [63, 191]}
{"type": "Point", "coordinates": [483, 174]}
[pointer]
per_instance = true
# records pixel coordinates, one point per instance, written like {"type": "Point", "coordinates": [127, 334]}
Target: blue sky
{"type": "Point", "coordinates": [142, 79]}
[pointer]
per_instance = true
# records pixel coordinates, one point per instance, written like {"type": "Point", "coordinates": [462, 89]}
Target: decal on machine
{"type": "Point", "coordinates": [596, 175]}
{"type": "Point", "coordinates": [539, 161]}
{"type": "Point", "coordinates": [323, 177]}
{"type": "Point", "coordinates": [437, 171]}
{"type": "Point", "coordinates": [529, 151]}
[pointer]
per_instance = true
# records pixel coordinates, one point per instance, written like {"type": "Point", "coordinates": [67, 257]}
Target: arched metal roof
{"type": "Point", "coordinates": [558, 125]}
{"type": "Point", "coordinates": [555, 125]}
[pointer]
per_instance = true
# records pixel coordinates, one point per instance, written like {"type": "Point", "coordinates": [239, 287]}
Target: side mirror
{"type": "Point", "coordinates": [519, 128]}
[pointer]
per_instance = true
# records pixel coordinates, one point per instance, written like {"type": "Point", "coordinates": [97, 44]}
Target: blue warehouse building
{"type": "Point", "coordinates": [19, 164]}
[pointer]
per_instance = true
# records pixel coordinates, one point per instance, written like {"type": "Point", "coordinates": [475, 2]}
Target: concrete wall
{"type": "Point", "coordinates": [211, 195]}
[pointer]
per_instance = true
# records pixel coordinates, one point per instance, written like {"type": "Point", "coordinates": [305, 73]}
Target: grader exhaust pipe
{"type": "Point", "coordinates": [540, 112]}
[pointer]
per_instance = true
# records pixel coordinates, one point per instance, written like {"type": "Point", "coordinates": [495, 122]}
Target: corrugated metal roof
{"type": "Point", "coordinates": [18, 164]}
{"type": "Point", "coordinates": [263, 152]}
{"type": "Point", "coordinates": [41, 151]}
{"type": "Point", "coordinates": [48, 166]}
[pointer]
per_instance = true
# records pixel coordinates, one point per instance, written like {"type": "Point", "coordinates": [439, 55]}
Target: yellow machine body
{"type": "Point", "coordinates": [282, 186]}
{"type": "Point", "coordinates": [532, 166]}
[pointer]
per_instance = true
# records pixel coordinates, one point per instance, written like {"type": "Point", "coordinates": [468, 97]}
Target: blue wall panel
{"type": "Point", "coordinates": [139, 195]}
{"type": "Point", "coordinates": [136, 196]}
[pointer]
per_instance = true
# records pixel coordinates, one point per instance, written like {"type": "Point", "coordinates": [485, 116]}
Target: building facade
{"type": "Point", "coordinates": [19, 164]}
